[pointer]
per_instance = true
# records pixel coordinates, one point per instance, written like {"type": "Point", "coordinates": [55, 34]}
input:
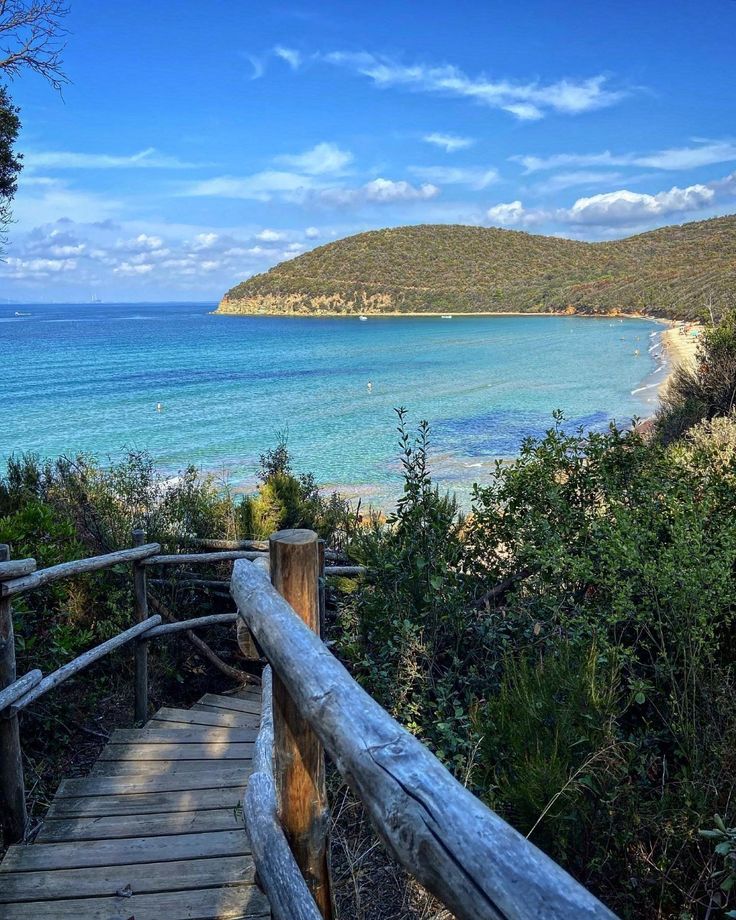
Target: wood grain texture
{"type": "Point", "coordinates": [215, 619]}
{"type": "Point", "coordinates": [106, 880]}
{"type": "Point", "coordinates": [19, 688]}
{"type": "Point", "coordinates": [457, 848]}
{"type": "Point", "coordinates": [140, 610]}
{"type": "Point", "coordinates": [112, 827]}
{"type": "Point", "coordinates": [231, 903]}
{"type": "Point", "coordinates": [15, 568]}
{"type": "Point", "coordinates": [13, 813]}
{"type": "Point", "coordinates": [83, 661]}
{"type": "Point", "coordinates": [146, 803]}
{"type": "Point", "coordinates": [278, 872]}
{"type": "Point", "coordinates": [200, 558]}
{"type": "Point", "coordinates": [299, 762]}
{"type": "Point", "coordinates": [77, 567]}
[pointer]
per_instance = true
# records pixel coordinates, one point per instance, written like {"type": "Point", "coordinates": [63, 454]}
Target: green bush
{"type": "Point", "coordinates": [568, 648]}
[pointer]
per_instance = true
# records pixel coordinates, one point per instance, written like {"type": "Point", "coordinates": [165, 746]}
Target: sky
{"type": "Point", "coordinates": [198, 144]}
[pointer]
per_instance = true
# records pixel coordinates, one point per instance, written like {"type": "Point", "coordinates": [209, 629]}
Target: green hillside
{"type": "Point", "coordinates": [673, 272]}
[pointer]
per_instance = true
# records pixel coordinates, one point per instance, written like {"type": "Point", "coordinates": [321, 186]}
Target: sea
{"type": "Point", "coordinates": [217, 391]}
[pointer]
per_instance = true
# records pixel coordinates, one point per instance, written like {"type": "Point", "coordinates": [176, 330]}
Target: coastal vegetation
{"type": "Point", "coordinates": [566, 647]}
{"type": "Point", "coordinates": [672, 272]}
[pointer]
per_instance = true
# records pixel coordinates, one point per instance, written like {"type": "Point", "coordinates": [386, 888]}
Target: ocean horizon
{"type": "Point", "coordinates": [217, 391]}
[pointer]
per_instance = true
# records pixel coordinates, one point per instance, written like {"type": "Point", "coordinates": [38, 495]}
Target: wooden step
{"type": "Point", "coordinates": [204, 716]}
{"type": "Point", "coordinates": [104, 881]}
{"type": "Point", "coordinates": [145, 803]}
{"type": "Point", "coordinates": [229, 703]}
{"type": "Point", "coordinates": [193, 734]}
{"type": "Point", "coordinates": [87, 853]}
{"type": "Point", "coordinates": [131, 768]}
{"type": "Point", "coordinates": [228, 903]}
{"type": "Point", "coordinates": [145, 825]}
{"type": "Point", "coordinates": [175, 782]}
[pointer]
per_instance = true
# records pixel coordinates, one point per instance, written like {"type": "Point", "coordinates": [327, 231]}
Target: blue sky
{"type": "Point", "coordinates": [198, 144]}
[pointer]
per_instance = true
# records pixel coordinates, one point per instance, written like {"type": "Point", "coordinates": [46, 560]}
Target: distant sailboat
{"type": "Point", "coordinates": [95, 299]}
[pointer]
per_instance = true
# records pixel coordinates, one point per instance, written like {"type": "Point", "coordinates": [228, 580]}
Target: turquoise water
{"type": "Point", "coordinates": [88, 378]}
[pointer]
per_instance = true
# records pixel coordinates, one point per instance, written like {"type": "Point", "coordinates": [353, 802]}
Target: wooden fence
{"type": "Point", "coordinates": [461, 851]}
{"type": "Point", "coordinates": [21, 576]}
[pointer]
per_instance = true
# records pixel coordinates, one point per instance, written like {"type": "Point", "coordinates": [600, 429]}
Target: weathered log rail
{"type": "Point", "coordinates": [460, 850]}
{"type": "Point", "coordinates": [21, 576]}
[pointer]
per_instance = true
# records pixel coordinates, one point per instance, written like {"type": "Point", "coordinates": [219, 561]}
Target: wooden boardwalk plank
{"type": "Point", "coordinates": [206, 716]}
{"type": "Point", "coordinates": [175, 782]}
{"type": "Point", "coordinates": [146, 825]}
{"type": "Point", "coordinates": [145, 752]}
{"type": "Point", "coordinates": [225, 903]}
{"type": "Point", "coordinates": [193, 734]}
{"type": "Point", "coordinates": [145, 803]}
{"type": "Point", "coordinates": [106, 880]}
{"type": "Point", "coordinates": [131, 768]}
{"type": "Point", "coordinates": [232, 703]}
{"type": "Point", "coordinates": [158, 819]}
{"type": "Point", "coordinates": [87, 853]}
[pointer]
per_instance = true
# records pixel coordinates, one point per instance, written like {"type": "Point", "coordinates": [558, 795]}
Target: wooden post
{"type": "Point", "coordinates": [140, 601]}
{"type": "Point", "coordinates": [12, 791]}
{"type": "Point", "coordinates": [299, 762]}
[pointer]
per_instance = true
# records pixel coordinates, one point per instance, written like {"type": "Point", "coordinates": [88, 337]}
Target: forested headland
{"type": "Point", "coordinates": [673, 272]}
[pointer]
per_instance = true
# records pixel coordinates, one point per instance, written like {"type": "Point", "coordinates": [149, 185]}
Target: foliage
{"type": "Point", "coordinates": [673, 272]}
{"type": "Point", "coordinates": [549, 744]}
{"type": "Point", "coordinates": [706, 391]}
{"type": "Point", "coordinates": [10, 161]}
{"type": "Point", "coordinates": [568, 648]}
{"type": "Point", "coordinates": [725, 846]}
{"type": "Point", "coordinates": [285, 500]}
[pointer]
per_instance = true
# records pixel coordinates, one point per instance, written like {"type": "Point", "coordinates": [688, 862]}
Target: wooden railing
{"type": "Point", "coordinates": [21, 576]}
{"type": "Point", "coordinates": [460, 850]}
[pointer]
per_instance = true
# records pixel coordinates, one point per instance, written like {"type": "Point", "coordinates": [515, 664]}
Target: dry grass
{"type": "Point", "coordinates": [368, 883]}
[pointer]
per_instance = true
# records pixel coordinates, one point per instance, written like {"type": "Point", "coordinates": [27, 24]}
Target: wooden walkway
{"type": "Point", "coordinates": [155, 832]}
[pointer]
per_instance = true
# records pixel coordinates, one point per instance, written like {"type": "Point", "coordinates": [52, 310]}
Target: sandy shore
{"type": "Point", "coordinates": [681, 344]}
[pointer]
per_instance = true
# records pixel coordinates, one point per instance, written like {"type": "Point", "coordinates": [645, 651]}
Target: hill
{"type": "Point", "coordinates": [671, 272]}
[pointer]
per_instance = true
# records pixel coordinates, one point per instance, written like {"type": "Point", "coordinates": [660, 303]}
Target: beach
{"type": "Point", "coordinates": [681, 344]}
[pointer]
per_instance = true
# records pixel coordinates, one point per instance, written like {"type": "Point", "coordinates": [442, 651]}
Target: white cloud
{"type": "Point", "coordinates": [448, 142]}
{"type": "Point", "coordinates": [476, 177]}
{"type": "Point", "coordinates": [704, 153]}
{"type": "Point", "coordinates": [262, 186]}
{"type": "Point", "coordinates": [509, 214]}
{"type": "Point", "coordinates": [129, 268]}
{"type": "Point", "coordinates": [621, 208]}
{"type": "Point", "coordinates": [526, 101]}
{"type": "Point", "coordinates": [320, 160]}
{"type": "Point", "coordinates": [292, 57]}
{"type": "Point", "coordinates": [378, 191]}
{"type": "Point", "coordinates": [40, 268]}
{"type": "Point", "coordinates": [312, 233]}
{"type": "Point", "coordinates": [149, 158]}
{"type": "Point", "coordinates": [565, 180]}
{"type": "Point", "coordinates": [631, 208]}
{"type": "Point", "coordinates": [258, 66]}
{"type": "Point", "coordinates": [270, 236]}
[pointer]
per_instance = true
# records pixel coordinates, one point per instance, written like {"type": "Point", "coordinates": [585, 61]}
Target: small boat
{"type": "Point", "coordinates": [363, 319]}
{"type": "Point", "coordinates": [447, 316]}
{"type": "Point", "coordinates": [20, 313]}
